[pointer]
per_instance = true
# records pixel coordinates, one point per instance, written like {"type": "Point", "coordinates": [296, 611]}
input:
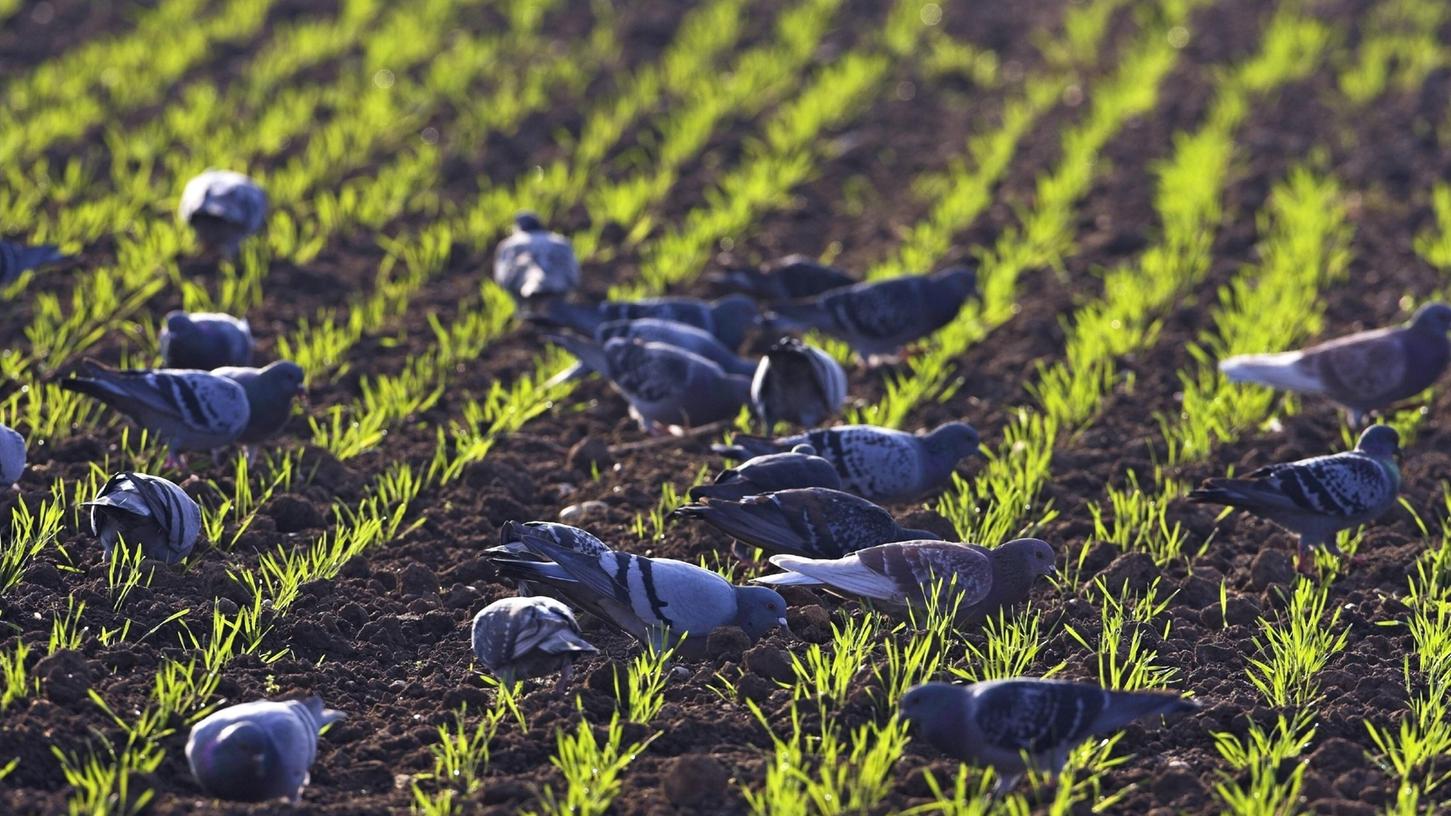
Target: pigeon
{"type": "Point", "coordinates": [269, 391]}
{"type": "Point", "coordinates": [12, 456]}
{"type": "Point", "coordinates": [1318, 497]}
{"type": "Point", "coordinates": [520, 638]}
{"type": "Point", "coordinates": [797, 468]}
{"type": "Point", "coordinates": [512, 542]}
{"type": "Point", "coordinates": [257, 751]}
{"type": "Point", "coordinates": [899, 575]}
{"type": "Point", "coordinates": [1362, 372]}
{"type": "Point", "coordinates": [655, 330]}
{"type": "Point", "coordinates": [16, 258]}
{"type": "Point", "coordinates": [680, 335]}
{"type": "Point", "coordinates": [534, 262]}
{"type": "Point", "coordinates": [191, 410]}
{"type": "Point", "coordinates": [997, 722]}
{"type": "Point", "coordinates": [878, 318]}
{"type": "Point", "coordinates": [665, 385]}
{"type": "Point", "coordinates": [797, 384]}
{"type": "Point", "coordinates": [205, 341]}
{"type": "Point", "coordinates": [788, 278]}
{"type": "Point", "coordinates": [879, 464]}
{"type": "Point", "coordinates": [658, 601]}
{"type": "Point", "coordinates": [151, 510]}
{"type": "Point", "coordinates": [727, 319]}
{"type": "Point", "coordinates": [815, 522]}
{"type": "Point", "coordinates": [224, 207]}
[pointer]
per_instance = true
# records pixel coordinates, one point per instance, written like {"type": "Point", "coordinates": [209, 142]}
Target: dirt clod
{"type": "Point", "coordinates": [694, 780]}
{"type": "Point", "coordinates": [590, 455]}
{"type": "Point", "coordinates": [770, 662]}
{"type": "Point", "coordinates": [727, 643]}
{"type": "Point", "coordinates": [1271, 568]}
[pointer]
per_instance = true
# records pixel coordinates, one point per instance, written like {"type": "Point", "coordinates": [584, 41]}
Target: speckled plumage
{"type": "Point", "coordinates": [878, 318]}
{"type": "Point", "coordinates": [1362, 372]}
{"type": "Point", "coordinates": [795, 468]}
{"type": "Point", "coordinates": [880, 464]}
{"type": "Point", "coordinates": [665, 385]}
{"type": "Point", "coordinates": [520, 638]}
{"type": "Point", "coordinates": [979, 581]}
{"type": "Point", "coordinates": [654, 600]}
{"type": "Point", "coordinates": [814, 522]}
{"type": "Point", "coordinates": [797, 384]}
{"type": "Point", "coordinates": [727, 319]}
{"type": "Point", "coordinates": [146, 510]}
{"type": "Point", "coordinates": [995, 722]}
{"type": "Point", "coordinates": [191, 410]}
{"type": "Point", "coordinates": [1318, 497]}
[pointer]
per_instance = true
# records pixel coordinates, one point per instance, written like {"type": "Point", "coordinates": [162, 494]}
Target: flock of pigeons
{"type": "Point", "coordinates": [809, 501]}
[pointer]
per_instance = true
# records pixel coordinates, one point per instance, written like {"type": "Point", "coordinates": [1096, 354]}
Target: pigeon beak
{"type": "Point", "coordinates": [781, 622]}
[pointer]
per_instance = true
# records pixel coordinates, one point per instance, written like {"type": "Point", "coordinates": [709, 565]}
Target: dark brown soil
{"type": "Point", "coordinates": [386, 640]}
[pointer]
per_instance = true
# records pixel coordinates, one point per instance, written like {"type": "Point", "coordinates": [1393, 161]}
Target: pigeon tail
{"type": "Point", "coordinates": [1281, 370]}
{"type": "Point", "coordinates": [591, 355]}
{"type": "Point", "coordinates": [787, 579]}
{"type": "Point", "coordinates": [1243, 493]}
{"type": "Point", "coordinates": [746, 446]}
{"type": "Point", "coordinates": [757, 523]}
{"type": "Point", "coordinates": [798, 314]}
{"type": "Point", "coordinates": [1126, 706]}
{"type": "Point", "coordinates": [746, 281]}
{"type": "Point", "coordinates": [31, 257]}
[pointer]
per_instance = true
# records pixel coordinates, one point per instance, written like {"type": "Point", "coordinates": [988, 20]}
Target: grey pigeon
{"type": "Point", "coordinates": [798, 467]}
{"type": "Point", "coordinates": [797, 384]}
{"type": "Point", "coordinates": [899, 575]}
{"type": "Point", "coordinates": [513, 538]}
{"type": "Point", "coordinates": [224, 208]}
{"type": "Point", "coordinates": [1362, 372]}
{"type": "Point", "coordinates": [257, 751]}
{"type": "Point", "coordinates": [665, 385]}
{"type": "Point", "coordinates": [12, 456]}
{"type": "Point", "coordinates": [191, 410]}
{"type": "Point", "coordinates": [657, 601]}
{"type": "Point", "coordinates": [680, 335]}
{"type": "Point", "coordinates": [878, 318]}
{"type": "Point", "coordinates": [16, 258]}
{"type": "Point", "coordinates": [814, 521]}
{"type": "Point", "coordinates": [1318, 497]}
{"type": "Point", "coordinates": [880, 464]}
{"type": "Point", "coordinates": [205, 340]}
{"type": "Point", "coordinates": [520, 638]}
{"type": "Point", "coordinates": [727, 319]}
{"type": "Point", "coordinates": [148, 510]}
{"type": "Point", "coordinates": [997, 722]}
{"type": "Point", "coordinates": [534, 262]}
{"type": "Point", "coordinates": [788, 278]}
{"type": "Point", "coordinates": [270, 391]}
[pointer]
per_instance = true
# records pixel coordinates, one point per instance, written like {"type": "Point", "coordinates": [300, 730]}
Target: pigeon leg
{"type": "Point", "coordinates": [174, 460]}
{"type": "Point", "coordinates": [1005, 783]}
{"type": "Point", "coordinates": [564, 677]}
{"type": "Point", "coordinates": [1305, 560]}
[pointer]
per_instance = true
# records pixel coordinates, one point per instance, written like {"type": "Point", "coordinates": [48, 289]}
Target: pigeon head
{"type": "Point", "coordinates": [238, 764]}
{"type": "Point", "coordinates": [283, 377]}
{"type": "Point", "coordinates": [179, 322]}
{"type": "Point", "coordinates": [1037, 555]}
{"type": "Point", "coordinates": [934, 709]}
{"type": "Point", "coordinates": [527, 221]}
{"type": "Point", "coordinates": [759, 610]}
{"type": "Point", "coordinates": [733, 316]}
{"type": "Point", "coordinates": [1433, 317]}
{"type": "Point", "coordinates": [958, 280]}
{"type": "Point", "coordinates": [1380, 440]}
{"type": "Point", "coordinates": [952, 441]}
